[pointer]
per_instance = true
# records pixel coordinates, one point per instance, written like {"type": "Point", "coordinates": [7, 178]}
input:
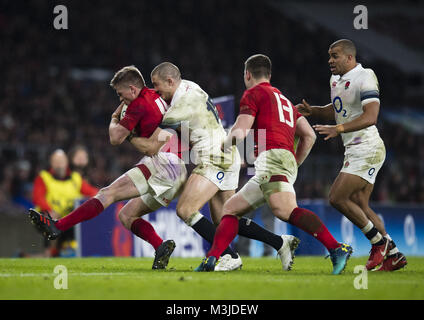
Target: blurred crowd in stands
{"type": "Point", "coordinates": [44, 105]}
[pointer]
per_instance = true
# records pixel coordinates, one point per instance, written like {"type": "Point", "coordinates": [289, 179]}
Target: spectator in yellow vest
{"type": "Point", "coordinates": [56, 190]}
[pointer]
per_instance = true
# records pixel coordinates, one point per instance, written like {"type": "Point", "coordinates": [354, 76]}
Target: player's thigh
{"type": "Point", "coordinates": [121, 189]}
{"type": "Point", "coordinates": [345, 186]}
{"type": "Point", "coordinates": [197, 191]}
{"type": "Point", "coordinates": [247, 199]}
{"type": "Point", "coordinates": [282, 204]}
{"type": "Point", "coordinates": [237, 205]}
{"type": "Point", "coordinates": [216, 204]}
{"type": "Point", "coordinates": [132, 210]}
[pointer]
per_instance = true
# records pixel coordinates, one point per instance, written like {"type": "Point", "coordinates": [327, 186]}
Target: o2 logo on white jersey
{"type": "Point", "coordinates": [371, 172]}
{"type": "Point", "coordinates": [338, 106]}
{"type": "Point", "coordinates": [284, 104]}
{"type": "Point", "coordinates": [220, 176]}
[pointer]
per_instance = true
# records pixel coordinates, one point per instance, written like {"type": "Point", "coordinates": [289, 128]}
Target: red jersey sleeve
{"type": "Point", "coordinates": [132, 116]}
{"type": "Point", "coordinates": [248, 104]}
{"type": "Point", "coordinates": [39, 194]}
{"type": "Point", "coordinates": [297, 114]}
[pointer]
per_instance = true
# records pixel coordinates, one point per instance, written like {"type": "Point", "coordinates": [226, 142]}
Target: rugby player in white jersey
{"type": "Point", "coordinates": [355, 106]}
{"type": "Point", "coordinates": [216, 175]}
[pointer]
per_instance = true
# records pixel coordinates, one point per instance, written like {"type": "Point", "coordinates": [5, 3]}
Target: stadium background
{"type": "Point", "coordinates": [55, 91]}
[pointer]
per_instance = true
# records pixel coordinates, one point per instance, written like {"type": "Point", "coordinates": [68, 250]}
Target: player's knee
{"type": "Point", "coordinates": [125, 219]}
{"type": "Point", "coordinates": [184, 211]}
{"type": "Point", "coordinates": [227, 209]}
{"type": "Point", "coordinates": [335, 200]}
{"type": "Point", "coordinates": [105, 196]}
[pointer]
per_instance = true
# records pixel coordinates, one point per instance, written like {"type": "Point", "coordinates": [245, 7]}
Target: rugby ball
{"type": "Point", "coordinates": [123, 111]}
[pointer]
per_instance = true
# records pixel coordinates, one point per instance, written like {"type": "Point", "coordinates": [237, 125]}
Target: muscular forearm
{"type": "Point", "coordinates": [304, 147]}
{"type": "Point", "coordinates": [146, 146]}
{"type": "Point", "coordinates": [362, 122]}
{"type": "Point", "coordinates": [323, 112]}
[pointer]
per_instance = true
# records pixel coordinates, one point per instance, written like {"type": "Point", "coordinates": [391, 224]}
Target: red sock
{"type": "Point", "coordinates": [224, 234]}
{"type": "Point", "coordinates": [144, 230]}
{"type": "Point", "coordinates": [309, 222]}
{"type": "Point", "coordinates": [88, 210]}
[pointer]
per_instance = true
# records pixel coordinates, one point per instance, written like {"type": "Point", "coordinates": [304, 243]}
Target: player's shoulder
{"type": "Point", "coordinates": [366, 73]}
{"type": "Point", "coordinates": [261, 88]}
{"type": "Point", "coordinates": [367, 77]}
{"type": "Point", "coordinates": [189, 93]}
{"type": "Point", "coordinates": [148, 94]}
{"type": "Point", "coordinates": [145, 99]}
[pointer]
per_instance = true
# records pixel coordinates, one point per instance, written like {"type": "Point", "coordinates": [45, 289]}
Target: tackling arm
{"type": "Point", "coordinates": [151, 146]}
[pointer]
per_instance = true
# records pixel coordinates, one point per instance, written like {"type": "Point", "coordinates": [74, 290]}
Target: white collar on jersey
{"type": "Point", "coordinates": [348, 75]}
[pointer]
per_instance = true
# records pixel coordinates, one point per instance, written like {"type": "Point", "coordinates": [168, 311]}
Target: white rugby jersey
{"type": "Point", "coordinates": [349, 93]}
{"type": "Point", "coordinates": [191, 104]}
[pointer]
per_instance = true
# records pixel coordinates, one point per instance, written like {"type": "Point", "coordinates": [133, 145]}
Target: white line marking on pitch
{"type": "Point", "coordinates": [83, 274]}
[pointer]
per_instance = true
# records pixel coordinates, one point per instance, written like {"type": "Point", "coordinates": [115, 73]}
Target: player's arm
{"type": "Point", "coordinates": [117, 132]}
{"type": "Point", "coordinates": [307, 139]}
{"type": "Point", "coordinates": [325, 113]}
{"type": "Point", "coordinates": [239, 130]}
{"type": "Point", "coordinates": [151, 146]}
{"type": "Point", "coordinates": [365, 120]}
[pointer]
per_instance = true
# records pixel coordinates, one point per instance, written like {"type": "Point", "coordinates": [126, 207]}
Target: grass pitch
{"type": "Point", "coordinates": [260, 279]}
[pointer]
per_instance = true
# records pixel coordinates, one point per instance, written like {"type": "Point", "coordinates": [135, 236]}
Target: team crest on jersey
{"type": "Point", "coordinates": [334, 84]}
{"type": "Point", "coordinates": [347, 85]}
{"type": "Point", "coordinates": [346, 164]}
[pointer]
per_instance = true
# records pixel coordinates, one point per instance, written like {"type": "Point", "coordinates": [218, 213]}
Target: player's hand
{"type": "Point", "coordinates": [328, 130]}
{"type": "Point", "coordinates": [304, 108]}
{"type": "Point", "coordinates": [117, 112]}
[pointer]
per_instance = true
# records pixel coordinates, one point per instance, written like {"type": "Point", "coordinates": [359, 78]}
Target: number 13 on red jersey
{"type": "Point", "coordinates": [284, 104]}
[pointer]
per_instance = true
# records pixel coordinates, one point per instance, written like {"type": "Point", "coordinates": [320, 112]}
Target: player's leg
{"type": "Point", "coordinates": [361, 198]}
{"type": "Point", "coordinates": [281, 199]}
{"type": "Point", "coordinates": [130, 216]}
{"type": "Point", "coordinates": [341, 192]}
{"type": "Point", "coordinates": [122, 188]}
{"type": "Point", "coordinates": [197, 191]}
{"type": "Point", "coordinates": [247, 227]}
{"type": "Point", "coordinates": [395, 260]}
{"type": "Point", "coordinates": [127, 186]}
{"type": "Point", "coordinates": [284, 206]}
{"type": "Point", "coordinates": [216, 204]}
{"type": "Point", "coordinates": [227, 261]}
{"type": "Point", "coordinates": [226, 231]}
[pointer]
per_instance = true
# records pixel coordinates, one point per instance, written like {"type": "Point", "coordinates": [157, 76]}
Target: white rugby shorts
{"type": "Point", "coordinates": [365, 159]}
{"type": "Point", "coordinates": [275, 170]}
{"type": "Point", "coordinates": [165, 174]}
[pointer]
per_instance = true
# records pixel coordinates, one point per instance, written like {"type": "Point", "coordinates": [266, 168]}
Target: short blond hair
{"type": "Point", "coordinates": [128, 75]}
{"type": "Point", "coordinates": [166, 69]}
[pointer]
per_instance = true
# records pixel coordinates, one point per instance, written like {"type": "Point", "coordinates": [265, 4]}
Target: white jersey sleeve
{"type": "Point", "coordinates": [369, 89]}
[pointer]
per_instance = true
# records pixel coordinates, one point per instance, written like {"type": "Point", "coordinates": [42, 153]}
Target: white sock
{"type": "Point", "coordinates": [367, 228]}
{"type": "Point", "coordinates": [395, 249]}
{"type": "Point", "coordinates": [194, 218]}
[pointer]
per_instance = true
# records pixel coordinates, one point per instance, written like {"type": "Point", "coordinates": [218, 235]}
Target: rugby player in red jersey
{"type": "Point", "coordinates": [264, 107]}
{"type": "Point", "coordinates": [154, 182]}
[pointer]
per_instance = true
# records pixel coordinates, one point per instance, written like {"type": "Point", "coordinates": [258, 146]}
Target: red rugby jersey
{"type": "Point", "coordinates": [144, 115]}
{"type": "Point", "coordinates": [274, 113]}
